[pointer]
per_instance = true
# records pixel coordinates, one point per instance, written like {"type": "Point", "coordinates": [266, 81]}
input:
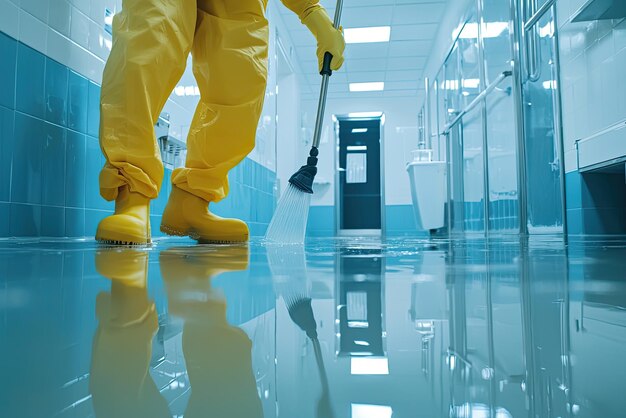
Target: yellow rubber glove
{"type": "Point", "coordinates": [328, 38]}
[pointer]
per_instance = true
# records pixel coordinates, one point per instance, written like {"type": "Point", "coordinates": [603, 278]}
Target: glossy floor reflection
{"type": "Point", "coordinates": [407, 328]}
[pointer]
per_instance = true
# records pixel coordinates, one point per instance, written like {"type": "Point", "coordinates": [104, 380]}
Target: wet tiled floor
{"type": "Point", "coordinates": [406, 328]}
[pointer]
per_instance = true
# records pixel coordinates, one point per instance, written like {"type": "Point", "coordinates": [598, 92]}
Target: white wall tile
{"type": "Point", "coordinates": [37, 8]}
{"type": "Point", "coordinates": [32, 31]}
{"type": "Point", "coordinates": [79, 28]}
{"type": "Point", "coordinates": [59, 16]}
{"type": "Point", "coordinates": [59, 47]}
{"type": "Point", "coordinates": [9, 18]}
{"type": "Point", "coordinates": [83, 5]}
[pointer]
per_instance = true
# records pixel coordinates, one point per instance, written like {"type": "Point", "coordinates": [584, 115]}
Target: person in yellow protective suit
{"type": "Point", "coordinates": [151, 41]}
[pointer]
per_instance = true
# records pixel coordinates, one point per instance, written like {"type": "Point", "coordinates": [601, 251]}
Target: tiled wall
{"type": "Point", "coordinates": [50, 156]}
{"type": "Point", "coordinates": [593, 64]}
{"type": "Point", "coordinates": [399, 221]}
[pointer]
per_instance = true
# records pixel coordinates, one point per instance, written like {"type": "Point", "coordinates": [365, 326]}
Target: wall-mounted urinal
{"type": "Point", "coordinates": [428, 189]}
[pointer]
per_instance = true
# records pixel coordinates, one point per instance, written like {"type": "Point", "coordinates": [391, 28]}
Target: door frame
{"type": "Point", "coordinates": [371, 116]}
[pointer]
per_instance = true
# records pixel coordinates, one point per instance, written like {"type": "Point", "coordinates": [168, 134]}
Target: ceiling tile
{"type": "Point", "coordinates": [413, 32]}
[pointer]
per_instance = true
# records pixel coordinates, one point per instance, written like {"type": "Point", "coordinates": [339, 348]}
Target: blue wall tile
{"type": "Point", "coordinates": [93, 110]}
{"type": "Point", "coordinates": [53, 166]}
{"type": "Point", "coordinates": [94, 162]}
{"type": "Point", "coordinates": [7, 143]}
{"type": "Point", "coordinates": [77, 103]}
{"type": "Point", "coordinates": [30, 81]}
{"type": "Point", "coordinates": [25, 220]}
{"type": "Point", "coordinates": [4, 219]}
{"type": "Point", "coordinates": [321, 221]}
{"type": "Point", "coordinates": [400, 220]}
{"type": "Point", "coordinates": [8, 61]}
{"type": "Point", "coordinates": [52, 221]}
{"type": "Point", "coordinates": [573, 190]}
{"type": "Point", "coordinates": [74, 222]}
{"type": "Point", "coordinates": [56, 87]}
{"type": "Point", "coordinates": [92, 219]}
{"type": "Point", "coordinates": [27, 157]}
{"type": "Point", "coordinates": [75, 155]}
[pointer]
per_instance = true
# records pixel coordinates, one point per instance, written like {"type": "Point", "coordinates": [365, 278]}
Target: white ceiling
{"type": "Point", "coordinates": [399, 63]}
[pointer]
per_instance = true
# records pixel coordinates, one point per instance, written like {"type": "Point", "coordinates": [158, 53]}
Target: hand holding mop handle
{"type": "Point", "coordinates": [325, 73]}
{"type": "Point", "coordinates": [304, 177]}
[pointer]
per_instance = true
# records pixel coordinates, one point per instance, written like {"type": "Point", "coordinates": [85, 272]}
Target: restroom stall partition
{"type": "Point", "coordinates": [542, 128]}
{"type": "Point", "coordinates": [496, 124]}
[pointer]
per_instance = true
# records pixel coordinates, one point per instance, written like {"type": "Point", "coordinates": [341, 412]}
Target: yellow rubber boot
{"type": "Point", "coordinates": [130, 225]}
{"type": "Point", "coordinates": [188, 215]}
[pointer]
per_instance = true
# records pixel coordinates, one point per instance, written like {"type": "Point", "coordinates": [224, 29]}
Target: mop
{"type": "Point", "coordinates": [289, 222]}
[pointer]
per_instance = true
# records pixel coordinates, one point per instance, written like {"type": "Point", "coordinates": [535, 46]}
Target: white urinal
{"type": "Point", "coordinates": [428, 189]}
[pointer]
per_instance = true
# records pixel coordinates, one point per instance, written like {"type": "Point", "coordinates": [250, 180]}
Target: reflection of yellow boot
{"type": "Point", "coordinates": [119, 382]}
{"type": "Point", "coordinates": [217, 355]}
{"type": "Point", "coordinates": [187, 273]}
{"type": "Point", "coordinates": [131, 222]}
{"type": "Point", "coordinates": [188, 215]}
{"type": "Point", "coordinates": [128, 270]}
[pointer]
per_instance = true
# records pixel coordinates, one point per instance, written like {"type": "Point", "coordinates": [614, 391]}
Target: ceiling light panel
{"type": "Point", "coordinates": [367, 35]}
{"type": "Point", "coordinates": [371, 86]}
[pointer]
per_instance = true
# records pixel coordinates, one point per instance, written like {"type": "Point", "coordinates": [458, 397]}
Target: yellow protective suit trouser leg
{"type": "Point", "coordinates": [151, 42]}
{"type": "Point", "coordinates": [229, 52]}
{"type": "Point", "coordinates": [152, 39]}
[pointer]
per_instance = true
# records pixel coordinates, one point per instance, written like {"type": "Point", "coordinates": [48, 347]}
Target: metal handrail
{"type": "Point", "coordinates": [534, 19]}
{"type": "Point", "coordinates": [477, 100]}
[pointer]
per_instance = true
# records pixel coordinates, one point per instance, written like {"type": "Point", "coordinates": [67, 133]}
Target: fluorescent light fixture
{"type": "Point", "coordinates": [365, 114]}
{"type": "Point", "coordinates": [367, 35]}
{"type": "Point", "coordinates": [373, 86]}
{"type": "Point", "coordinates": [187, 91]}
{"type": "Point", "coordinates": [359, 130]}
{"type": "Point", "coordinates": [489, 30]}
{"type": "Point", "coordinates": [371, 411]}
{"type": "Point", "coordinates": [369, 366]}
{"type": "Point", "coordinates": [356, 148]}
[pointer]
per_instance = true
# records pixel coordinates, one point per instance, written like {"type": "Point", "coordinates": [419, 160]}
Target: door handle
{"type": "Point", "coordinates": [341, 169]}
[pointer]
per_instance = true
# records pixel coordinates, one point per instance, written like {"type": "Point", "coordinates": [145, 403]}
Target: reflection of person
{"type": "Point", "coordinates": [120, 383]}
{"type": "Point", "coordinates": [151, 41]}
{"type": "Point", "coordinates": [217, 355]}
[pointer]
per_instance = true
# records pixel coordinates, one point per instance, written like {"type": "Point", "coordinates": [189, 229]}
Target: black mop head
{"type": "Point", "coordinates": [303, 178]}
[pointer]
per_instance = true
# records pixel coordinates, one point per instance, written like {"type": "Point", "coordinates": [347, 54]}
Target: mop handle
{"type": "Point", "coordinates": [326, 73]}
